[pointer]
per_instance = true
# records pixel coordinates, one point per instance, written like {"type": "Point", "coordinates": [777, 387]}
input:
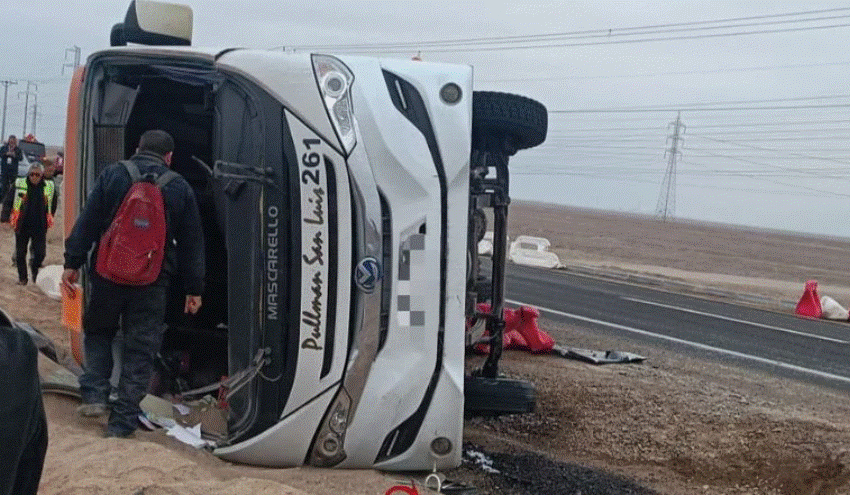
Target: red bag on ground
{"type": "Point", "coordinates": [133, 247]}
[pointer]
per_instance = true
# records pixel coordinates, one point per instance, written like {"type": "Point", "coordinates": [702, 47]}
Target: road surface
{"type": "Point", "coordinates": [803, 349]}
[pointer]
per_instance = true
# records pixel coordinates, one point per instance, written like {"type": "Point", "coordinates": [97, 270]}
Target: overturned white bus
{"type": "Point", "coordinates": [341, 198]}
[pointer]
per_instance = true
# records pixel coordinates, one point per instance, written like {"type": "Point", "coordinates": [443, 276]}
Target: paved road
{"type": "Point", "coordinates": [812, 350]}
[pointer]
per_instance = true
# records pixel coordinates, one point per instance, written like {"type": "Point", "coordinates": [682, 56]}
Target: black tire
{"type": "Point", "coordinates": [497, 396]}
{"type": "Point", "coordinates": [498, 116]}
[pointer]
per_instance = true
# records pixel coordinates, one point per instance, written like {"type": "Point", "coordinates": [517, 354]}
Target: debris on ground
{"type": "Point", "coordinates": [597, 357]}
{"type": "Point", "coordinates": [523, 333]}
{"type": "Point", "coordinates": [813, 306]}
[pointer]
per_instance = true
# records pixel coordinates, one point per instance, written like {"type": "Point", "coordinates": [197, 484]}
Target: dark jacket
{"type": "Point", "coordinates": [9, 165]}
{"type": "Point", "coordinates": [33, 211]}
{"type": "Point", "coordinates": [182, 218]}
{"type": "Point", "coordinates": [23, 424]}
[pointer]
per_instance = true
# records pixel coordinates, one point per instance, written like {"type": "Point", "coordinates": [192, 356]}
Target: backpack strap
{"type": "Point", "coordinates": [165, 178]}
{"type": "Point", "coordinates": [136, 175]}
{"type": "Point", "coordinates": [133, 170]}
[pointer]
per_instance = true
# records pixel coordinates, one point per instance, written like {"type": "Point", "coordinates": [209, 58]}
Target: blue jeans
{"type": "Point", "coordinates": [139, 312]}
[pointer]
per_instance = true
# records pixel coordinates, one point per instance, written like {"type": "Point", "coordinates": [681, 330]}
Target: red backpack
{"type": "Point", "coordinates": [133, 247]}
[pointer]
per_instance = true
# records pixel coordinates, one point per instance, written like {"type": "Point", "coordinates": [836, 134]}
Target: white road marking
{"type": "Point", "coordinates": [705, 347]}
{"type": "Point", "coordinates": [745, 322]}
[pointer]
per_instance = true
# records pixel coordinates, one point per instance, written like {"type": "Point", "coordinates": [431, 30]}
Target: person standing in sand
{"type": "Point", "coordinates": [137, 310]}
{"type": "Point", "coordinates": [29, 207]}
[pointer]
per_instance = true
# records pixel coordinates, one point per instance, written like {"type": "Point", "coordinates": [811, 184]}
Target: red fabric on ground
{"type": "Point", "coordinates": [521, 331]}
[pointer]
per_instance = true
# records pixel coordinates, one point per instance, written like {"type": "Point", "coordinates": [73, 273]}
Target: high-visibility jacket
{"type": "Point", "coordinates": [21, 188]}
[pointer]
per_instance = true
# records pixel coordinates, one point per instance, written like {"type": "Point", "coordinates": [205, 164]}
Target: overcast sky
{"type": "Point", "coordinates": [762, 88]}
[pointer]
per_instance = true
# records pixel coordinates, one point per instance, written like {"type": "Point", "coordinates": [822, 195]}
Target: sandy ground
{"type": "Point", "coordinates": [674, 425]}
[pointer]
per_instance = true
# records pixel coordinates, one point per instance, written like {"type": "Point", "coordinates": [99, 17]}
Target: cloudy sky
{"type": "Point", "coordinates": [761, 87]}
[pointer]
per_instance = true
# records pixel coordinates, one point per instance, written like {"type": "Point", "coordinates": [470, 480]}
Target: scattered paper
{"type": "Point", "coordinates": [189, 436]}
{"type": "Point", "coordinates": [481, 460]}
{"type": "Point", "coordinates": [146, 423]}
{"type": "Point", "coordinates": [182, 409]}
{"type": "Point", "coordinates": [160, 421]}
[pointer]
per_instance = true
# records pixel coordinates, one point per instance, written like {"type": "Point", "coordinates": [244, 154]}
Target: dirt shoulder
{"type": "Point", "coordinates": [674, 424]}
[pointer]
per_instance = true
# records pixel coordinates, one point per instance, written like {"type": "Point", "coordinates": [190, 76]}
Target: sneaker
{"type": "Point", "coordinates": [92, 410]}
{"type": "Point", "coordinates": [22, 282]}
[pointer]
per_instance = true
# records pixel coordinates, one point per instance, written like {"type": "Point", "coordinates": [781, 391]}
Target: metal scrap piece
{"type": "Point", "coordinates": [597, 357]}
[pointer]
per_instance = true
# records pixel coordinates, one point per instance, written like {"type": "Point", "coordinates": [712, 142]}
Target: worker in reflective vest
{"type": "Point", "coordinates": [29, 207]}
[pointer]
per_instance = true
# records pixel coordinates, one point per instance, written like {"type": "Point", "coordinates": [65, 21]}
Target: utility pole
{"type": "Point", "coordinates": [5, 94]}
{"type": "Point", "coordinates": [75, 51]}
{"type": "Point", "coordinates": [34, 112]}
{"type": "Point", "coordinates": [666, 206]}
{"type": "Point", "coordinates": [27, 94]}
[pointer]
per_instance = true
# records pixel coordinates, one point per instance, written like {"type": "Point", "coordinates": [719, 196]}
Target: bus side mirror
{"type": "Point", "coordinates": [116, 36]}
{"type": "Point", "coordinates": [150, 22]}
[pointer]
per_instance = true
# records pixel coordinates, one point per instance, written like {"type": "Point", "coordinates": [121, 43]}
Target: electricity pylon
{"type": "Point", "coordinates": [666, 206]}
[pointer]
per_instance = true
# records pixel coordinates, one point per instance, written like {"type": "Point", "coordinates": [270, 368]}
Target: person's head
{"type": "Point", "coordinates": [36, 173]}
{"type": "Point", "coordinates": [13, 141]}
{"type": "Point", "coordinates": [158, 142]}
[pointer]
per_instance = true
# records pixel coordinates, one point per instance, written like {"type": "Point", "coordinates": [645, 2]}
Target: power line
{"type": "Point", "coordinates": [462, 44]}
{"type": "Point", "coordinates": [695, 106]}
{"type": "Point", "coordinates": [790, 134]}
{"type": "Point", "coordinates": [724, 125]}
{"type": "Point", "coordinates": [750, 146]}
{"type": "Point", "coordinates": [769, 124]}
{"type": "Point", "coordinates": [618, 177]}
{"type": "Point", "coordinates": [592, 43]}
{"type": "Point", "coordinates": [659, 74]}
{"type": "Point", "coordinates": [792, 170]}
{"type": "Point", "coordinates": [631, 180]}
{"type": "Point", "coordinates": [696, 109]}
{"type": "Point", "coordinates": [796, 138]}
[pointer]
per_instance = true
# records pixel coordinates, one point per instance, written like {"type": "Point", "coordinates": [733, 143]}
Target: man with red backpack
{"type": "Point", "coordinates": [145, 222]}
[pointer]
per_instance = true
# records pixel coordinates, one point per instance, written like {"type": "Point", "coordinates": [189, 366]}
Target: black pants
{"type": "Point", "coordinates": [140, 313]}
{"type": "Point", "coordinates": [23, 424]}
{"type": "Point", "coordinates": [38, 237]}
{"type": "Point", "coordinates": [7, 180]}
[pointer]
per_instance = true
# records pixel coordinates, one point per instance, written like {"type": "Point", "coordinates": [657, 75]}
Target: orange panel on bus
{"type": "Point", "coordinates": [72, 305]}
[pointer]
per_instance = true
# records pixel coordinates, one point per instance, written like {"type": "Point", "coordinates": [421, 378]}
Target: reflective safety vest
{"type": "Point", "coordinates": [21, 187]}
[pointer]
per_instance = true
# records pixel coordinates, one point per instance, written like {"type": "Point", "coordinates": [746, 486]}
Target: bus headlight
{"type": "Point", "coordinates": [335, 80]}
{"type": "Point", "coordinates": [328, 450]}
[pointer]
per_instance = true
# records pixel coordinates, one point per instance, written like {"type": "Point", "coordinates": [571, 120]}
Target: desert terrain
{"type": "Point", "coordinates": [672, 425]}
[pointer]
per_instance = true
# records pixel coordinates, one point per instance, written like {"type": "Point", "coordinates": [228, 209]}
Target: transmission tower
{"type": "Point", "coordinates": [27, 94]}
{"type": "Point", "coordinates": [666, 206]}
{"type": "Point", "coordinates": [74, 61]}
{"type": "Point", "coordinates": [5, 94]}
{"type": "Point", "coordinates": [34, 112]}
